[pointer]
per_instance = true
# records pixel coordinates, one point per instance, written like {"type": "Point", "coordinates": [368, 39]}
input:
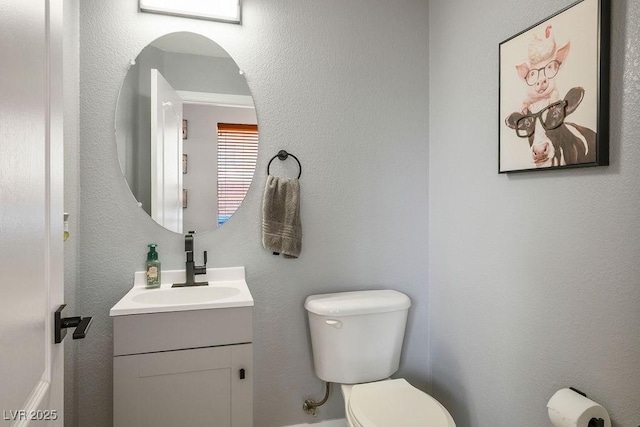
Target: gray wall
{"type": "Point", "coordinates": [71, 69]}
{"type": "Point", "coordinates": [533, 278]}
{"type": "Point", "coordinates": [514, 313]}
{"type": "Point", "coordinates": [343, 86]}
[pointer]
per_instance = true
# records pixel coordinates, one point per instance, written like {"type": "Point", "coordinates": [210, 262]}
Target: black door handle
{"type": "Point", "coordinates": [82, 328]}
{"type": "Point", "coordinates": [60, 325]}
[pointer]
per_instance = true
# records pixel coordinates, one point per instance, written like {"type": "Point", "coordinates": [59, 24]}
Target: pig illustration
{"type": "Point", "coordinates": [544, 60]}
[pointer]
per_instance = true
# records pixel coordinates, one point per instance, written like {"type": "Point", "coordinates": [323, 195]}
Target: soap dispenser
{"type": "Point", "coordinates": [153, 267]}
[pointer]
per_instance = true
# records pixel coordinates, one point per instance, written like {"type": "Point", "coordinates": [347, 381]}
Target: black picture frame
{"type": "Point", "coordinates": [553, 98]}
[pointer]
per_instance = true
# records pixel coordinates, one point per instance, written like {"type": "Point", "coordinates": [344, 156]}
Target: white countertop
{"type": "Point", "coordinates": [231, 290]}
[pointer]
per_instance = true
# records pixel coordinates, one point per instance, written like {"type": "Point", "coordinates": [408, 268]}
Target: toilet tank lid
{"type": "Point", "coordinates": [357, 302]}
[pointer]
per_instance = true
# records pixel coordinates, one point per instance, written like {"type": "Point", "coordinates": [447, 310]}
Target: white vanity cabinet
{"type": "Point", "coordinates": [185, 368]}
{"type": "Point", "coordinates": [183, 356]}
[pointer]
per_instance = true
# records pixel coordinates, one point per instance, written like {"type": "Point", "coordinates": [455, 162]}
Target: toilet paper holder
{"type": "Point", "coordinates": [593, 422]}
{"type": "Point", "coordinates": [596, 422]}
{"type": "Point", "coordinates": [571, 407]}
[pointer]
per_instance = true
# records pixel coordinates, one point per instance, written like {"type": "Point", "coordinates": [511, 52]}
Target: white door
{"type": "Point", "coordinates": [31, 182]}
{"type": "Point", "coordinates": [166, 154]}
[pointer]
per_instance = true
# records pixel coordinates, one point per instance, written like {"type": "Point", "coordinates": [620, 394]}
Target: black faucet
{"type": "Point", "coordinates": [191, 267]}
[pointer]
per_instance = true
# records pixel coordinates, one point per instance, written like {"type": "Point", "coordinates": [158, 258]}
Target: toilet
{"type": "Point", "coordinates": [357, 339]}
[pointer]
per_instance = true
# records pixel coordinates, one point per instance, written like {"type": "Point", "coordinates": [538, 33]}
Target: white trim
{"type": "Point", "coordinates": [341, 422]}
{"type": "Point", "coordinates": [219, 99]}
{"type": "Point", "coordinates": [33, 402]}
{"type": "Point", "coordinates": [46, 376]}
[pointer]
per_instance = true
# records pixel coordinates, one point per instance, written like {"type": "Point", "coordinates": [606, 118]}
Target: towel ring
{"type": "Point", "coordinates": [282, 155]}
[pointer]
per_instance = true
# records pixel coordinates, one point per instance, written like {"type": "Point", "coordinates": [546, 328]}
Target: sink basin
{"type": "Point", "coordinates": [227, 288]}
{"type": "Point", "coordinates": [185, 295]}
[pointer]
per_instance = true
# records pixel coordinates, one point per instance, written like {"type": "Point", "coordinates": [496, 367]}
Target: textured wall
{"type": "Point", "coordinates": [71, 83]}
{"type": "Point", "coordinates": [533, 278]}
{"type": "Point", "coordinates": [343, 86]}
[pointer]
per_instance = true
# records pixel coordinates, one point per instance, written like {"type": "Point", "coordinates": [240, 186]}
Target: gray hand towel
{"type": "Point", "coordinates": [281, 227]}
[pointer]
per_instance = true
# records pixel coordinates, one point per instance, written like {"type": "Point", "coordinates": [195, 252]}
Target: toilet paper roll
{"type": "Point", "coordinates": [568, 408]}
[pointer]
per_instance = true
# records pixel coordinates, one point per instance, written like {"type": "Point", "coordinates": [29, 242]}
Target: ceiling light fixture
{"type": "Point", "coordinates": [214, 10]}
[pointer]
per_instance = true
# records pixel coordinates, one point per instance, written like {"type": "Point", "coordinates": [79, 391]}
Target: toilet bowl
{"type": "Point", "coordinates": [392, 403]}
{"type": "Point", "coordinates": [356, 338]}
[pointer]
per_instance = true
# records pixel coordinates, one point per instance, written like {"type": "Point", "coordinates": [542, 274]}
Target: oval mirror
{"type": "Point", "coordinates": [186, 133]}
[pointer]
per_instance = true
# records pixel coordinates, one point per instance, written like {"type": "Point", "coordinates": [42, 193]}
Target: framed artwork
{"type": "Point", "coordinates": [554, 91]}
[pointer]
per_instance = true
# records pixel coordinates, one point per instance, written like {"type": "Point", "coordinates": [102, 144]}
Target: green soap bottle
{"type": "Point", "coordinates": [153, 267]}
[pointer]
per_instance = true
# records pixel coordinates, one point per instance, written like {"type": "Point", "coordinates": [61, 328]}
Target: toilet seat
{"type": "Point", "coordinates": [395, 403]}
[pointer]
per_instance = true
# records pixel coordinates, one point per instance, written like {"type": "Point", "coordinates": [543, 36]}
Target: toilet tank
{"type": "Point", "coordinates": [357, 336]}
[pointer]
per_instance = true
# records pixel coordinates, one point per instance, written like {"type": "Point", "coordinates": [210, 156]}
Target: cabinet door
{"type": "Point", "coordinates": [198, 387]}
{"type": "Point", "coordinates": [242, 385]}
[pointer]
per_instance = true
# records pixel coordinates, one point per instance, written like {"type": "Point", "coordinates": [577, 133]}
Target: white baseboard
{"type": "Point", "coordinates": [330, 423]}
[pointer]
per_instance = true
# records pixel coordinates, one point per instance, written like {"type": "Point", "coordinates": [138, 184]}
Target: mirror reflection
{"type": "Point", "coordinates": [186, 133]}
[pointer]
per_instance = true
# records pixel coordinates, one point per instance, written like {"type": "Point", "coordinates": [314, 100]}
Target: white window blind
{"type": "Point", "coordinates": [237, 156]}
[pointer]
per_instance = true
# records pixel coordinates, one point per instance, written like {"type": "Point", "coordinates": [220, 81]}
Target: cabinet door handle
{"type": "Point", "coordinates": [242, 374]}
